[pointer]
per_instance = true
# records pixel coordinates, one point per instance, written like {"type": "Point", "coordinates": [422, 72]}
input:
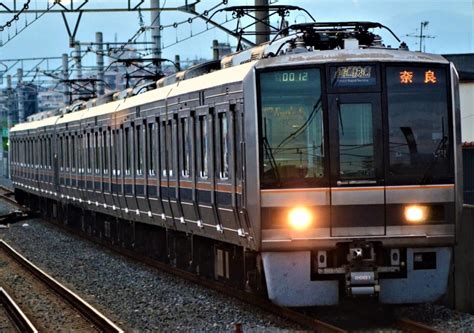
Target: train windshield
{"type": "Point", "coordinates": [418, 125]}
{"type": "Point", "coordinates": [292, 128]}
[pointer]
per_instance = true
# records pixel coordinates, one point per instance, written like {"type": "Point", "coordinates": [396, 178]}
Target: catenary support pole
{"type": "Point", "coordinates": [100, 63]}
{"type": "Point", "coordinates": [262, 29]}
{"type": "Point", "coordinates": [20, 95]}
{"type": "Point", "coordinates": [156, 32]}
{"type": "Point", "coordinates": [65, 59]}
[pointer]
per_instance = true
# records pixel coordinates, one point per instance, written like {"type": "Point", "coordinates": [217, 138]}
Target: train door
{"type": "Point", "coordinates": [357, 187]}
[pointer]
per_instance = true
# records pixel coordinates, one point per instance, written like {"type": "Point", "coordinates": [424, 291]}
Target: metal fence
{"type": "Point", "coordinates": [468, 161]}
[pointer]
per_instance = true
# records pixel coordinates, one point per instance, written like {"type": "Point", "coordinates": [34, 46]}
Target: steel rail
{"type": "Point", "coordinates": [20, 320]}
{"type": "Point", "coordinates": [411, 326]}
{"type": "Point", "coordinates": [94, 316]}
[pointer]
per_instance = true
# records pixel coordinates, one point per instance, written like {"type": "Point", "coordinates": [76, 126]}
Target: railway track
{"type": "Point", "coordinates": [309, 322]}
{"type": "Point", "coordinates": [18, 318]}
{"type": "Point", "coordinates": [99, 322]}
{"type": "Point", "coordinates": [8, 195]}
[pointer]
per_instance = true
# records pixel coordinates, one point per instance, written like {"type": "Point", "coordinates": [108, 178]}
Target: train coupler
{"type": "Point", "coordinates": [362, 284]}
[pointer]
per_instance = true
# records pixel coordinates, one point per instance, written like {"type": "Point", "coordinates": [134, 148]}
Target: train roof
{"type": "Point", "coordinates": [213, 79]}
{"type": "Point", "coordinates": [352, 55]}
{"type": "Point", "coordinates": [236, 73]}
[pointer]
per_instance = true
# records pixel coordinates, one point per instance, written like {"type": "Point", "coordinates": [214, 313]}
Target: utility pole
{"type": "Point", "coordinates": [422, 24]}
{"type": "Point", "coordinates": [100, 63]}
{"type": "Point", "coordinates": [177, 62]}
{"type": "Point", "coordinates": [21, 95]}
{"type": "Point", "coordinates": [65, 60]}
{"type": "Point", "coordinates": [10, 102]}
{"type": "Point", "coordinates": [421, 36]}
{"type": "Point", "coordinates": [215, 49]}
{"type": "Point", "coordinates": [262, 29]}
{"type": "Point", "coordinates": [78, 60]}
{"type": "Point", "coordinates": [156, 33]}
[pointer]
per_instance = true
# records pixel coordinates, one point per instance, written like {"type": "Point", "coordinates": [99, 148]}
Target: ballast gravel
{"type": "Point", "coordinates": [439, 317]}
{"type": "Point", "coordinates": [136, 297]}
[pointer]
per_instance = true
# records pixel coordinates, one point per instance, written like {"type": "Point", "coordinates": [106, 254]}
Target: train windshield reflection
{"type": "Point", "coordinates": [292, 128]}
{"type": "Point", "coordinates": [419, 136]}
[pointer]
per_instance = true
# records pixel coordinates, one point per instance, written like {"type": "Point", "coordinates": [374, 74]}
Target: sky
{"type": "Point", "coordinates": [451, 24]}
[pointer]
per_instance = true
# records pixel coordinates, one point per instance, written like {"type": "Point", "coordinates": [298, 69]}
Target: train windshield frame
{"type": "Point", "coordinates": [295, 121]}
{"type": "Point", "coordinates": [419, 132]}
{"type": "Point", "coordinates": [292, 122]}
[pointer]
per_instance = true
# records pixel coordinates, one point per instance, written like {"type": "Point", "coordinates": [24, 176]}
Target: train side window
{"type": "Point", "coordinates": [40, 150]}
{"type": "Point", "coordinates": [118, 164]}
{"type": "Point", "coordinates": [151, 148]}
{"type": "Point", "coordinates": [67, 149]}
{"type": "Point", "coordinates": [32, 156]}
{"type": "Point", "coordinates": [223, 146]}
{"type": "Point", "coordinates": [80, 155]}
{"type": "Point", "coordinates": [37, 151]}
{"type": "Point", "coordinates": [41, 147]}
{"type": "Point", "coordinates": [89, 154]}
{"type": "Point", "coordinates": [97, 153]}
{"type": "Point", "coordinates": [164, 149]}
{"type": "Point", "coordinates": [113, 156]}
{"type": "Point", "coordinates": [203, 147]}
{"type": "Point", "coordinates": [138, 148]}
{"type": "Point", "coordinates": [73, 153]}
{"type": "Point", "coordinates": [105, 152]}
{"type": "Point", "coordinates": [28, 152]}
{"type": "Point", "coordinates": [128, 153]}
{"type": "Point", "coordinates": [185, 147]}
{"type": "Point", "coordinates": [170, 147]}
{"type": "Point", "coordinates": [48, 152]}
{"type": "Point", "coordinates": [61, 155]}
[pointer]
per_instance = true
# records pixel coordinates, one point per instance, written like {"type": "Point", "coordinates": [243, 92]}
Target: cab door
{"type": "Point", "coordinates": [357, 184]}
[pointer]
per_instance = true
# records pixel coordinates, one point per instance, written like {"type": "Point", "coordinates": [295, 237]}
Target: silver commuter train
{"type": "Point", "coordinates": [304, 169]}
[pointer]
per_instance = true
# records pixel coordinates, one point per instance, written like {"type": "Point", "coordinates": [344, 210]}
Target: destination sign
{"type": "Point", "coordinates": [405, 78]}
{"type": "Point", "coordinates": [353, 76]}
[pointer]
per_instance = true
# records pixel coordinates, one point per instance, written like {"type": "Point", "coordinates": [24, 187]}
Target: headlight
{"type": "Point", "coordinates": [300, 218]}
{"type": "Point", "coordinates": [416, 213]}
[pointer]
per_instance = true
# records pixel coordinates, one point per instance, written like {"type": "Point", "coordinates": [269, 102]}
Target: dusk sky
{"type": "Point", "coordinates": [451, 24]}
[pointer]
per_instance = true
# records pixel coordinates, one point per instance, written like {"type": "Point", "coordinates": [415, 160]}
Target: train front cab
{"type": "Point", "coordinates": [358, 195]}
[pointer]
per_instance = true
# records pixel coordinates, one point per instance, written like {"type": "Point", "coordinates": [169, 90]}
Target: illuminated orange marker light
{"type": "Point", "coordinates": [300, 218]}
{"type": "Point", "coordinates": [416, 213]}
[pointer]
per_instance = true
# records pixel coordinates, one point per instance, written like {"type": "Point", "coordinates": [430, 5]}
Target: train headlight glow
{"type": "Point", "coordinates": [300, 218]}
{"type": "Point", "coordinates": [416, 213]}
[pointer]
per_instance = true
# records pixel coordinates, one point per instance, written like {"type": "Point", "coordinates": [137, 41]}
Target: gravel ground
{"type": "Point", "coordinates": [440, 317]}
{"type": "Point", "coordinates": [136, 297]}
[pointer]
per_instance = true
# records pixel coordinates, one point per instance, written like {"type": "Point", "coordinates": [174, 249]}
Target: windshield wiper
{"type": "Point", "coordinates": [339, 115]}
{"type": "Point", "coordinates": [436, 154]}
{"type": "Point", "coordinates": [271, 158]}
